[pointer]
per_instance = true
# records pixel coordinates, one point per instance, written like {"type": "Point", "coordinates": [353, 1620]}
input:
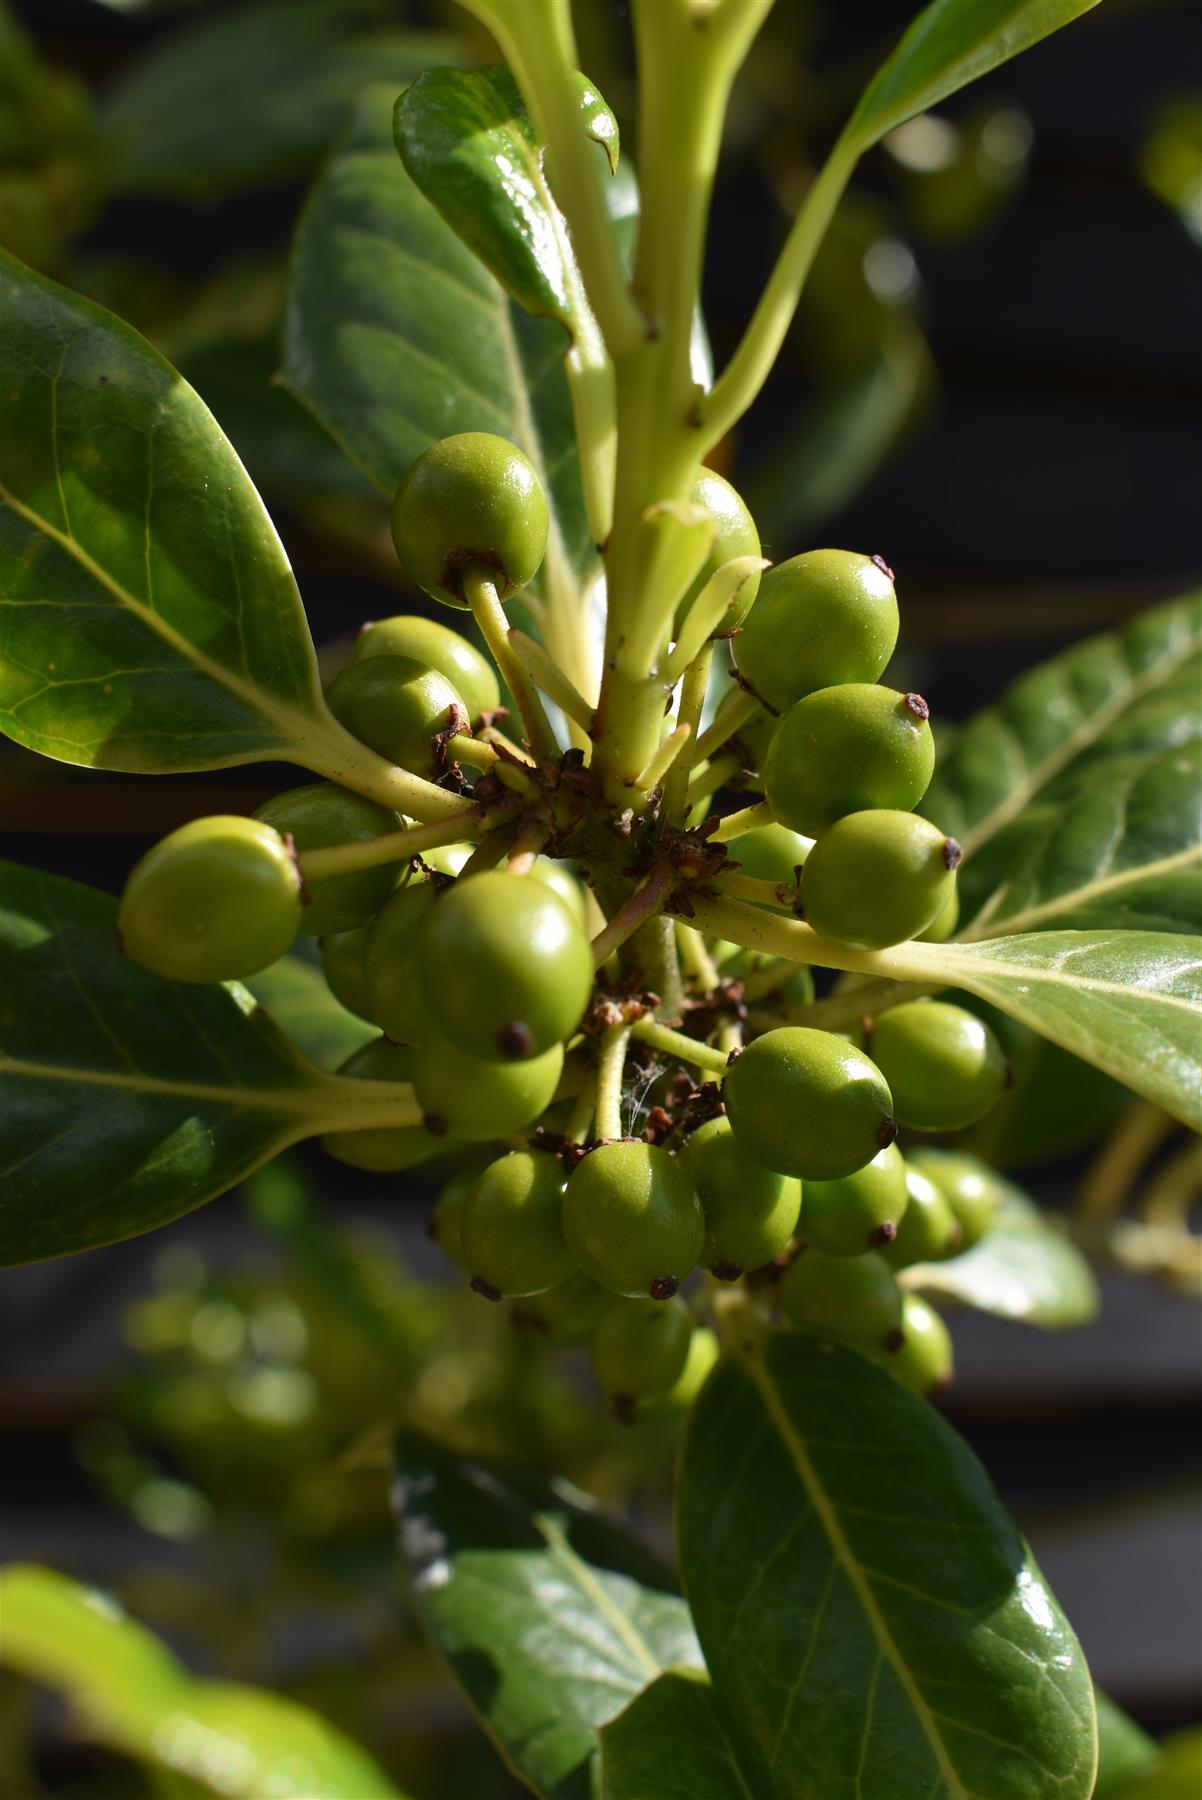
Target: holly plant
{"type": "Point", "coordinates": [552, 958]}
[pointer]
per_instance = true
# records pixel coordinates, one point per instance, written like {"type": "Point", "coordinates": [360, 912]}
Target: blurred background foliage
{"type": "Point", "coordinates": [993, 379]}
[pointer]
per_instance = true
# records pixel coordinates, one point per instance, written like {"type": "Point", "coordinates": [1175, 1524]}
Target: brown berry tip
{"type": "Point", "coordinates": [884, 1234]}
{"type": "Point", "coordinates": [435, 1124]}
{"type": "Point", "coordinates": [726, 1271]}
{"type": "Point", "coordinates": [1009, 1076]}
{"type": "Point", "coordinates": [624, 1405]}
{"type": "Point", "coordinates": [952, 854]}
{"type": "Point", "coordinates": [887, 1132]}
{"type": "Point", "coordinates": [516, 1040]}
{"type": "Point", "coordinates": [663, 1287]}
{"type": "Point", "coordinates": [883, 566]}
{"type": "Point", "coordinates": [895, 1340]}
{"type": "Point", "coordinates": [917, 705]}
{"type": "Point", "coordinates": [480, 1286]}
{"type": "Point", "coordinates": [118, 941]}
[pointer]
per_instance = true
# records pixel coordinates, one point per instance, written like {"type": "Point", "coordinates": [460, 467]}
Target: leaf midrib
{"type": "Point", "coordinates": [238, 1099]}
{"type": "Point", "coordinates": [582, 1575]}
{"type": "Point", "coordinates": [1013, 924]}
{"type": "Point", "coordinates": [841, 1550]}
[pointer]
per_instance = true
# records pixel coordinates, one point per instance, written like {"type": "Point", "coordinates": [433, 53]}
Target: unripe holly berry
{"type": "Point", "coordinates": [470, 499]}
{"type": "Point", "coordinates": [398, 707]}
{"type": "Point", "coordinates": [770, 853]}
{"type": "Point", "coordinates": [512, 1226]}
{"type": "Point", "coordinates": [877, 878]}
{"type": "Point", "coordinates": [735, 534]}
{"type": "Point", "coordinates": [446, 1221]}
{"type": "Point", "coordinates": [750, 1211]}
{"type": "Point", "coordinates": [461, 1094]}
{"type": "Point", "coordinates": [559, 878]}
{"type": "Point", "coordinates": [217, 900]}
{"type": "Point", "coordinates": [808, 1103]}
{"type": "Point", "coordinates": [633, 1219]}
{"type": "Point", "coordinates": [942, 928]}
{"type": "Point", "coordinates": [392, 1146]}
{"type": "Point", "coordinates": [923, 1361]}
{"type": "Point", "coordinates": [929, 1230]}
{"type": "Point", "coordinates": [944, 1066]}
{"type": "Point", "coordinates": [828, 616]}
{"type": "Point", "coordinates": [448, 859]}
{"type": "Point", "coordinates": [342, 965]}
{"type": "Point", "coordinates": [846, 749]}
{"type": "Point", "coordinates": [967, 1185]}
{"type": "Point", "coordinates": [702, 1354]}
{"type": "Point", "coordinates": [853, 1298]}
{"type": "Point", "coordinates": [859, 1212]}
{"type": "Point", "coordinates": [437, 647]}
{"type": "Point", "coordinates": [392, 956]}
{"type": "Point", "coordinates": [322, 814]}
{"type": "Point", "coordinates": [639, 1350]}
{"type": "Point", "coordinates": [563, 1315]}
{"type": "Point", "coordinates": [505, 967]}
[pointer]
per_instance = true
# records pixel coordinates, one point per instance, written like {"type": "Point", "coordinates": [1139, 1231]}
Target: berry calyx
{"type": "Point", "coordinates": [398, 707]}
{"type": "Point", "coordinates": [923, 1361]}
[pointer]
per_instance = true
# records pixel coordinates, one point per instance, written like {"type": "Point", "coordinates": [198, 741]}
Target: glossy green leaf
{"type": "Point", "coordinates": [952, 43]}
{"type": "Point", "coordinates": [255, 94]}
{"type": "Point", "coordinates": [1023, 1268]}
{"type": "Point", "coordinates": [1124, 1751]}
{"type": "Point", "coordinates": [148, 617]}
{"type": "Point", "coordinates": [1130, 1002]}
{"type": "Point", "coordinates": [874, 1626]}
{"type": "Point", "coordinates": [130, 1694]}
{"type": "Point", "coordinates": [1075, 796]}
{"type": "Point", "coordinates": [549, 1614]}
{"type": "Point", "coordinates": [395, 335]}
{"type": "Point", "coordinates": [468, 144]}
{"type": "Point", "coordinates": [670, 1744]}
{"type": "Point", "coordinates": [295, 993]}
{"type": "Point", "coordinates": [128, 1100]}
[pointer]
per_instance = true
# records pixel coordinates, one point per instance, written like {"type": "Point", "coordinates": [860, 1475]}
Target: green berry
{"type": "Point", "coordinates": [735, 534]}
{"type": "Point", "coordinates": [944, 927]}
{"type": "Point", "coordinates": [859, 1212]}
{"type": "Point", "coordinates": [770, 853]}
{"type": "Point", "coordinates": [559, 878]}
{"type": "Point", "coordinates": [929, 1230]}
{"type": "Point", "coordinates": [342, 965]}
{"type": "Point", "coordinates": [323, 814]}
{"type": "Point", "coordinates": [392, 956]}
{"type": "Point", "coordinates": [826, 617]}
{"type": "Point", "coordinates": [855, 1299]}
{"type": "Point", "coordinates": [703, 1353]}
{"type": "Point", "coordinates": [426, 641]}
{"type": "Point", "coordinates": [217, 900]}
{"type": "Point", "coordinates": [448, 859]}
{"type": "Point", "coordinates": [877, 878]}
{"type": "Point", "coordinates": [446, 1221]}
{"type": "Point", "coordinates": [471, 498]}
{"type": "Point", "coordinates": [846, 749]}
{"type": "Point", "coordinates": [923, 1360]}
{"type": "Point", "coordinates": [633, 1219]}
{"type": "Point", "coordinates": [565, 1314]}
{"type": "Point", "coordinates": [639, 1350]}
{"type": "Point", "coordinates": [944, 1066]}
{"type": "Point", "coordinates": [505, 968]}
{"type": "Point", "coordinates": [512, 1226]}
{"type": "Point", "coordinates": [391, 1147]}
{"type": "Point", "coordinates": [808, 1103]}
{"type": "Point", "coordinates": [398, 707]}
{"type": "Point", "coordinates": [750, 1212]}
{"type": "Point", "coordinates": [473, 1099]}
{"type": "Point", "coordinates": [967, 1185]}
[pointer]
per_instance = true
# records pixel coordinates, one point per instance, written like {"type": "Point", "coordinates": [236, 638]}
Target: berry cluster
{"type": "Point", "coordinates": [473, 960]}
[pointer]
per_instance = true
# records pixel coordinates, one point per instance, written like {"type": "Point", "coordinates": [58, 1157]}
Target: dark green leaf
{"type": "Point", "coordinates": [294, 992]}
{"type": "Point", "coordinates": [255, 94]}
{"type": "Point", "coordinates": [128, 1100]}
{"type": "Point", "coordinates": [1023, 1268]}
{"type": "Point", "coordinates": [132, 1695]}
{"type": "Point", "coordinates": [1124, 1751]}
{"type": "Point", "coordinates": [1130, 1002]}
{"type": "Point", "coordinates": [1056, 1102]}
{"type": "Point", "coordinates": [1075, 796]}
{"type": "Point", "coordinates": [468, 144]}
{"type": "Point", "coordinates": [551, 1617]}
{"type": "Point", "coordinates": [873, 1623]}
{"type": "Point", "coordinates": [670, 1744]}
{"type": "Point", "coordinates": [148, 616]}
{"type": "Point", "coordinates": [950, 44]}
{"type": "Point", "coordinates": [395, 336]}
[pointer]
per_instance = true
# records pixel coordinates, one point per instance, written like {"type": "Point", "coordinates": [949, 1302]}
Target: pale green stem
{"type": "Point", "coordinates": [708, 611]}
{"type": "Point", "coordinates": [692, 699]}
{"type": "Point", "coordinates": [779, 894]}
{"type": "Point", "coordinates": [696, 958]}
{"type": "Point", "coordinates": [344, 1104]}
{"type": "Point", "coordinates": [645, 901]}
{"type": "Point", "coordinates": [735, 824]}
{"type": "Point", "coordinates": [581, 1118]}
{"type": "Point", "coordinates": [672, 746]}
{"type": "Point", "coordinates": [711, 779]}
{"type": "Point", "coordinates": [610, 1070]}
{"type": "Point", "coordinates": [734, 712]}
{"type": "Point", "coordinates": [756, 929]}
{"type": "Point", "coordinates": [471, 751]}
{"type": "Point", "coordinates": [489, 615]}
{"type": "Point", "coordinates": [685, 1049]}
{"type": "Point", "coordinates": [841, 1010]}
{"type": "Point", "coordinates": [337, 756]}
{"type": "Point", "coordinates": [523, 853]}
{"type": "Point", "coordinates": [550, 678]}
{"type": "Point", "coordinates": [399, 846]}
